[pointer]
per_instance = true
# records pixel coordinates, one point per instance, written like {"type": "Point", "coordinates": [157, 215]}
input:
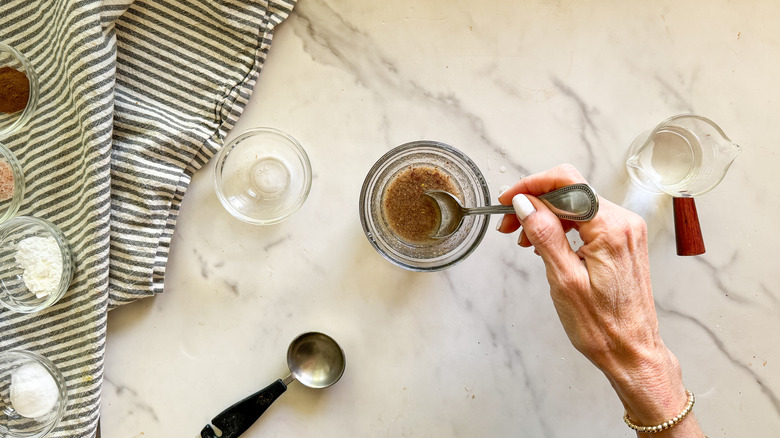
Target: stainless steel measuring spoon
{"type": "Point", "coordinates": [314, 359]}
{"type": "Point", "coordinates": [576, 202]}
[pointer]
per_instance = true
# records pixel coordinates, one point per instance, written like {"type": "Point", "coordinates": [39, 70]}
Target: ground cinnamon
{"type": "Point", "coordinates": [14, 90]}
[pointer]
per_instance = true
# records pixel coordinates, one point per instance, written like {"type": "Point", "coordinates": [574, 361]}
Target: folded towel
{"type": "Point", "coordinates": [135, 96]}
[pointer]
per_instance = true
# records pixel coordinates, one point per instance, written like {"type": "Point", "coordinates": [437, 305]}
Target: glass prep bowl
{"type": "Point", "coordinates": [13, 121]}
{"type": "Point", "coordinates": [263, 176]}
{"type": "Point", "coordinates": [23, 286]}
{"type": "Point", "coordinates": [11, 184]}
{"type": "Point", "coordinates": [467, 178]}
{"type": "Point", "coordinates": [18, 418]}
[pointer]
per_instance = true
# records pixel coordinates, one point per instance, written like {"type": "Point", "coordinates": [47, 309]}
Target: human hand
{"type": "Point", "coordinates": [603, 296]}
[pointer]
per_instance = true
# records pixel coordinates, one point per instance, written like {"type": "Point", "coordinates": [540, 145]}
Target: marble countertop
{"type": "Point", "coordinates": [475, 350]}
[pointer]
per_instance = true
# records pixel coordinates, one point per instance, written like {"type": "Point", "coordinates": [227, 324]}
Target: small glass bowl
{"type": "Point", "coordinates": [465, 175]}
{"type": "Point", "coordinates": [263, 176]}
{"type": "Point", "coordinates": [11, 184]}
{"type": "Point", "coordinates": [12, 58]}
{"type": "Point", "coordinates": [20, 421]}
{"type": "Point", "coordinates": [17, 292]}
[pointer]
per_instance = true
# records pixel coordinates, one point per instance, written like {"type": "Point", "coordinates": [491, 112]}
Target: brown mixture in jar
{"type": "Point", "coordinates": [411, 215]}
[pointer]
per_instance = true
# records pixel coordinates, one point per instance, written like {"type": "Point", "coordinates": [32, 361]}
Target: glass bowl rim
{"type": "Point", "coordinates": [296, 147]}
{"type": "Point", "coordinates": [398, 150]}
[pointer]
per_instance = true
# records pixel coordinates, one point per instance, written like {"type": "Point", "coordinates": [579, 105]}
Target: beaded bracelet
{"type": "Point", "coordinates": [666, 424]}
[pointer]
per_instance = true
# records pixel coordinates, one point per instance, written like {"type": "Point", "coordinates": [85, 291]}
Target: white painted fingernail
{"type": "Point", "coordinates": [520, 237]}
{"type": "Point", "coordinates": [523, 206]}
{"type": "Point", "coordinates": [502, 189]}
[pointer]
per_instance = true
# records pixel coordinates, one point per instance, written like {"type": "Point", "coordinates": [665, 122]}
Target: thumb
{"type": "Point", "coordinates": [546, 233]}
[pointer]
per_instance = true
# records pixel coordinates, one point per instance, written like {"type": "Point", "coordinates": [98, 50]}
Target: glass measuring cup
{"type": "Point", "coordinates": [684, 156]}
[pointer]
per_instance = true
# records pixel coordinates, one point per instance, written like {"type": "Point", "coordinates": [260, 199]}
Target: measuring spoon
{"type": "Point", "coordinates": [314, 359]}
{"type": "Point", "coordinates": [576, 202]}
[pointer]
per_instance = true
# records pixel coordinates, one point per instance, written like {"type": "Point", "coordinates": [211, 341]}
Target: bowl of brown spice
{"type": "Point", "coordinates": [399, 220]}
{"type": "Point", "coordinates": [18, 90]}
{"type": "Point", "coordinates": [11, 184]}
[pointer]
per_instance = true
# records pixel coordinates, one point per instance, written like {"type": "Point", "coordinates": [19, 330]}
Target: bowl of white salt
{"type": "Point", "coordinates": [33, 394]}
{"type": "Point", "coordinates": [37, 264]}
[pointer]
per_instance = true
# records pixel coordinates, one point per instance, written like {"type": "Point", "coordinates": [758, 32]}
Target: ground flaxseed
{"type": "Point", "coordinates": [410, 214]}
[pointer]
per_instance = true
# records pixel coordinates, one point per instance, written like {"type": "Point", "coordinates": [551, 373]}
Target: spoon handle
{"type": "Point", "coordinates": [236, 419]}
{"type": "Point", "coordinates": [490, 209]}
{"type": "Point", "coordinates": [576, 202]}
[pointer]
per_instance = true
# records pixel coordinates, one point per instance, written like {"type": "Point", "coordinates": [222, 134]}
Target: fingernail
{"type": "Point", "coordinates": [520, 237]}
{"type": "Point", "coordinates": [502, 189]}
{"type": "Point", "coordinates": [500, 222]}
{"type": "Point", "coordinates": [523, 206]}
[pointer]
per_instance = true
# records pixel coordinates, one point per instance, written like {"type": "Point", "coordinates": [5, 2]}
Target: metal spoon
{"type": "Point", "coordinates": [314, 359]}
{"type": "Point", "coordinates": [577, 202]}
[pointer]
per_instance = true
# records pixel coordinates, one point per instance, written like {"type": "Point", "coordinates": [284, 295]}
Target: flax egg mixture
{"type": "Point", "coordinates": [411, 215]}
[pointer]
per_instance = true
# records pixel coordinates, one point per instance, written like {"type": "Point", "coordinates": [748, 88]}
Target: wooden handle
{"type": "Point", "coordinates": [686, 227]}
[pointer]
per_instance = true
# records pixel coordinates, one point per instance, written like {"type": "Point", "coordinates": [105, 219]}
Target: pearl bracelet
{"type": "Point", "coordinates": [666, 424]}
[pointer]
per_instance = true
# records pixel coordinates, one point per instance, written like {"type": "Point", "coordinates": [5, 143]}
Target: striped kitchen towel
{"type": "Point", "coordinates": [135, 96]}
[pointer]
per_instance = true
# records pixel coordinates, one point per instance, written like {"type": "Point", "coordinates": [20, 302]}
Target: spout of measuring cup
{"type": "Point", "coordinates": [732, 150]}
{"type": "Point", "coordinates": [633, 161]}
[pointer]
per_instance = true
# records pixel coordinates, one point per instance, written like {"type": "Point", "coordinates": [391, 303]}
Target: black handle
{"type": "Point", "coordinates": [236, 419]}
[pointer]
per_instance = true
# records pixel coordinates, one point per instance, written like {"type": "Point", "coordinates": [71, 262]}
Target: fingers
{"type": "Point", "coordinates": [508, 224]}
{"type": "Point", "coordinates": [543, 230]}
{"type": "Point", "coordinates": [611, 220]}
{"type": "Point", "coordinates": [543, 182]}
{"type": "Point", "coordinates": [611, 217]}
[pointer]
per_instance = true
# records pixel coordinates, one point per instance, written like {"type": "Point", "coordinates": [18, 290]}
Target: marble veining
{"type": "Point", "coordinates": [476, 350]}
{"type": "Point", "coordinates": [746, 368]}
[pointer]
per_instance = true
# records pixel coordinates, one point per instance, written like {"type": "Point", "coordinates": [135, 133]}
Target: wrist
{"type": "Point", "coordinates": [666, 425]}
{"type": "Point", "coordinates": [649, 384]}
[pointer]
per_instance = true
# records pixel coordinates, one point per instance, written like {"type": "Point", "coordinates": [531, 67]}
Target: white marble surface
{"type": "Point", "coordinates": [476, 350]}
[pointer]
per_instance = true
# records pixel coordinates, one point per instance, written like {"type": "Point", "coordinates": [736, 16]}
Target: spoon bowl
{"type": "Point", "coordinates": [576, 202]}
{"type": "Point", "coordinates": [314, 359]}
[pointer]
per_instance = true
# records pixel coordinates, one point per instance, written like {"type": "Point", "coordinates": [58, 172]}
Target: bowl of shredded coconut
{"type": "Point", "coordinates": [11, 184]}
{"type": "Point", "coordinates": [33, 394]}
{"type": "Point", "coordinates": [37, 264]}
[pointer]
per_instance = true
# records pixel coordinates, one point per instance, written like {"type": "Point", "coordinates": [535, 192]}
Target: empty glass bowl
{"type": "Point", "coordinates": [33, 394]}
{"type": "Point", "coordinates": [11, 184]}
{"type": "Point", "coordinates": [37, 264]}
{"type": "Point", "coordinates": [12, 66]}
{"type": "Point", "coordinates": [433, 255]}
{"type": "Point", "coordinates": [262, 176]}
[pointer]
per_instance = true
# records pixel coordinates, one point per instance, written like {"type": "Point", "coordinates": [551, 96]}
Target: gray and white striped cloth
{"type": "Point", "coordinates": [135, 96]}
